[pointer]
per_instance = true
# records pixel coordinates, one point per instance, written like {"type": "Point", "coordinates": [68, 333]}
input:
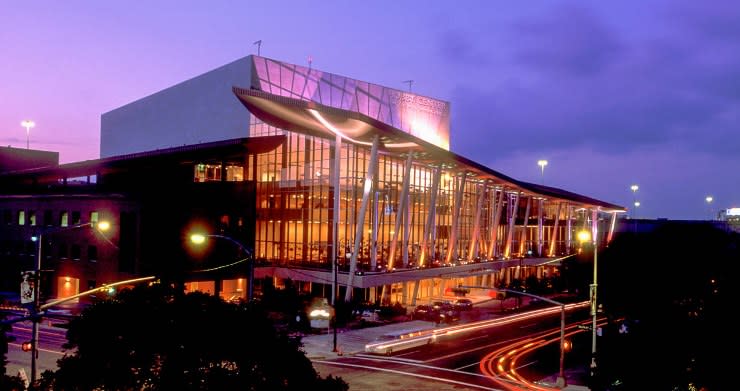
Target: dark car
{"type": "Point", "coordinates": [425, 312]}
{"type": "Point", "coordinates": [463, 304]}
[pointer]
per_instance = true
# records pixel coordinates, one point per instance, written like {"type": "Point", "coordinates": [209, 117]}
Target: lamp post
{"type": "Point", "coordinates": [585, 236]}
{"type": "Point", "coordinates": [542, 163]}
{"type": "Point", "coordinates": [709, 200]}
{"type": "Point", "coordinates": [28, 124]}
{"type": "Point", "coordinates": [634, 189]}
{"type": "Point", "coordinates": [199, 239]}
{"type": "Point", "coordinates": [36, 311]}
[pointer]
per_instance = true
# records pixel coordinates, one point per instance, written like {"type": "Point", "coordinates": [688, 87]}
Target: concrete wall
{"type": "Point", "coordinates": [197, 110]}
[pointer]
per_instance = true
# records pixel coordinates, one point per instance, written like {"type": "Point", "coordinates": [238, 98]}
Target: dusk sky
{"type": "Point", "coordinates": [610, 93]}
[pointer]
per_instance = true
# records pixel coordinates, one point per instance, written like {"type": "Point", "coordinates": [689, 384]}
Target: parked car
{"type": "Point", "coordinates": [425, 312]}
{"type": "Point", "coordinates": [463, 304]}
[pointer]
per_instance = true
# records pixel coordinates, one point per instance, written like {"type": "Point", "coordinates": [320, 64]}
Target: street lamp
{"type": "Point", "coordinates": [101, 226]}
{"type": "Point", "coordinates": [28, 124]}
{"type": "Point", "coordinates": [634, 196]}
{"type": "Point", "coordinates": [542, 163]}
{"type": "Point", "coordinates": [709, 200]}
{"type": "Point", "coordinates": [199, 239]}
{"type": "Point", "coordinates": [585, 236]}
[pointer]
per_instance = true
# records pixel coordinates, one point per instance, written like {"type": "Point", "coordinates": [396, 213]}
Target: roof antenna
{"type": "Point", "coordinates": [310, 60]}
{"type": "Point", "coordinates": [410, 82]}
{"type": "Point", "coordinates": [259, 45]}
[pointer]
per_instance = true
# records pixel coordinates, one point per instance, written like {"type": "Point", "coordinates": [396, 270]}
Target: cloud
{"type": "Point", "coordinates": [572, 80]}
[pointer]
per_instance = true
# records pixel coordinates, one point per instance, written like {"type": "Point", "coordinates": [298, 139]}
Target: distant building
{"type": "Point", "coordinates": [313, 171]}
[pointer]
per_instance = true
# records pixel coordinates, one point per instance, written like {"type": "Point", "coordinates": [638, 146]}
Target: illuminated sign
{"type": "Point", "coordinates": [733, 212]}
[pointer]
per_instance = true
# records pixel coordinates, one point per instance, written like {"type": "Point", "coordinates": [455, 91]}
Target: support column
{"type": "Point", "coordinates": [334, 251]}
{"type": "Point", "coordinates": [611, 227]}
{"type": "Point", "coordinates": [374, 235]}
{"type": "Point", "coordinates": [360, 223]}
{"type": "Point", "coordinates": [497, 209]}
{"type": "Point", "coordinates": [403, 205]}
{"type": "Point", "coordinates": [523, 236]}
{"type": "Point", "coordinates": [430, 216]}
{"type": "Point", "coordinates": [514, 207]}
{"type": "Point", "coordinates": [452, 243]}
{"type": "Point", "coordinates": [554, 235]}
{"type": "Point", "coordinates": [473, 251]}
{"type": "Point", "coordinates": [416, 292]}
{"type": "Point", "coordinates": [540, 233]}
{"type": "Point", "coordinates": [568, 229]}
{"type": "Point", "coordinates": [406, 231]}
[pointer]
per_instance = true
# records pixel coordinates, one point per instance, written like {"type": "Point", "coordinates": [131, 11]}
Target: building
{"type": "Point", "coordinates": [331, 179]}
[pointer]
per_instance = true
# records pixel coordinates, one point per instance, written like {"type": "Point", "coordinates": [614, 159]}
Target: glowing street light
{"type": "Point", "coordinates": [709, 200]}
{"type": "Point", "coordinates": [542, 163]}
{"type": "Point", "coordinates": [199, 239]}
{"type": "Point", "coordinates": [28, 124]}
{"type": "Point", "coordinates": [634, 189]}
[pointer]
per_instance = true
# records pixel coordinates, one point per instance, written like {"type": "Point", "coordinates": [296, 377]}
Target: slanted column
{"type": "Point", "coordinates": [374, 235]}
{"type": "Point", "coordinates": [360, 223]}
{"type": "Point", "coordinates": [400, 215]}
{"type": "Point", "coordinates": [452, 244]}
{"type": "Point", "coordinates": [473, 251]}
{"type": "Point", "coordinates": [406, 231]}
{"type": "Point", "coordinates": [497, 209]}
{"type": "Point", "coordinates": [540, 233]}
{"type": "Point", "coordinates": [554, 236]}
{"type": "Point", "coordinates": [568, 228]}
{"type": "Point", "coordinates": [611, 227]}
{"type": "Point", "coordinates": [514, 208]}
{"type": "Point", "coordinates": [430, 216]}
{"type": "Point", "coordinates": [523, 236]}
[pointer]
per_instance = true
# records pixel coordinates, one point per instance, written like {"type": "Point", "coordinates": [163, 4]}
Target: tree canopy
{"type": "Point", "coordinates": [153, 338]}
{"type": "Point", "coordinates": [669, 292]}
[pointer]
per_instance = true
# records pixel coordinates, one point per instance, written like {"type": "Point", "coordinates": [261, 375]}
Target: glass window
{"type": "Point", "coordinates": [32, 218]}
{"type": "Point", "coordinates": [94, 217]}
{"type": "Point", "coordinates": [62, 251]}
{"type": "Point", "coordinates": [75, 252]}
{"type": "Point", "coordinates": [76, 219]}
{"type": "Point", "coordinates": [92, 253]}
{"type": "Point", "coordinates": [48, 221]}
{"type": "Point", "coordinates": [64, 219]}
{"type": "Point", "coordinates": [21, 217]}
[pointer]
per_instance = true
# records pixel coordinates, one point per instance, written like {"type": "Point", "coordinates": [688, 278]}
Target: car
{"type": "Point", "coordinates": [463, 304]}
{"type": "Point", "coordinates": [425, 312]}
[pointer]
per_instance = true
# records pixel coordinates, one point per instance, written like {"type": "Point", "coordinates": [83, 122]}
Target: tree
{"type": "Point", "coordinates": [669, 292]}
{"type": "Point", "coordinates": [152, 338]}
{"type": "Point", "coordinates": [7, 383]}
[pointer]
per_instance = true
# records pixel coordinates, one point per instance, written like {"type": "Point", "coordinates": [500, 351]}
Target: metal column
{"type": "Point", "coordinates": [335, 253]}
{"type": "Point", "coordinates": [554, 235]}
{"type": "Point", "coordinates": [473, 250]}
{"type": "Point", "coordinates": [401, 213]}
{"type": "Point", "coordinates": [452, 243]}
{"type": "Point", "coordinates": [497, 209]}
{"type": "Point", "coordinates": [430, 216]}
{"type": "Point", "coordinates": [360, 223]}
{"type": "Point", "coordinates": [514, 208]}
{"type": "Point", "coordinates": [540, 233]}
{"type": "Point", "coordinates": [523, 236]}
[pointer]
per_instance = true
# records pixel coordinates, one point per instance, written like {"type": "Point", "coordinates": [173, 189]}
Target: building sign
{"type": "Point", "coordinates": [27, 283]}
{"type": "Point", "coordinates": [421, 116]}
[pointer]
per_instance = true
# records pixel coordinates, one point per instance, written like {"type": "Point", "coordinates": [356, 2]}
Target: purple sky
{"type": "Point", "coordinates": [610, 93]}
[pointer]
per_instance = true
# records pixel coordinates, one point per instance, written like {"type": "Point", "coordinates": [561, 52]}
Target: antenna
{"type": "Point", "coordinates": [310, 60]}
{"type": "Point", "coordinates": [259, 45]}
{"type": "Point", "coordinates": [410, 82]}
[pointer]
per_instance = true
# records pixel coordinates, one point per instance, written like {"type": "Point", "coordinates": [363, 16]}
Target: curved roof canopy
{"type": "Point", "coordinates": [315, 119]}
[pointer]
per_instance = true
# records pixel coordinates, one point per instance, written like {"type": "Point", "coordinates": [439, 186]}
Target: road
{"type": "Point", "coordinates": [469, 357]}
{"type": "Point", "coordinates": [51, 340]}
